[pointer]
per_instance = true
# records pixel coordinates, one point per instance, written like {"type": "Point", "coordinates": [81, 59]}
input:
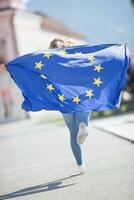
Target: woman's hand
{"type": "Point", "coordinates": [2, 67]}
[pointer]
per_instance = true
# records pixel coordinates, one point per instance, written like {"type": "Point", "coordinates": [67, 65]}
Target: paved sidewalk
{"type": "Point", "coordinates": [121, 126]}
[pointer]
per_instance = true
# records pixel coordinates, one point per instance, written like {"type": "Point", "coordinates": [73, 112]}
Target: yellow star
{"type": "Point", "coordinates": [89, 93]}
{"type": "Point", "coordinates": [43, 76]}
{"type": "Point", "coordinates": [97, 81]}
{"type": "Point", "coordinates": [78, 53]}
{"type": "Point", "coordinates": [91, 58]}
{"type": "Point", "coordinates": [47, 54]}
{"type": "Point", "coordinates": [76, 99]}
{"type": "Point", "coordinates": [98, 68]}
{"type": "Point", "coordinates": [61, 97]}
{"type": "Point", "coordinates": [38, 65]}
{"type": "Point", "coordinates": [63, 51]}
{"type": "Point", "coordinates": [50, 87]}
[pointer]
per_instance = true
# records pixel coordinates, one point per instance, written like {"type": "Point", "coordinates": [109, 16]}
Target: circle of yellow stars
{"type": "Point", "coordinates": [91, 58]}
{"type": "Point", "coordinates": [38, 65]}
{"type": "Point", "coordinates": [61, 97]}
{"type": "Point", "coordinates": [62, 51]}
{"type": "Point", "coordinates": [97, 81]}
{"type": "Point", "coordinates": [47, 54]}
{"type": "Point", "coordinates": [98, 68]}
{"type": "Point", "coordinates": [89, 93]}
{"type": "Point", "coordinates": [76, 99]}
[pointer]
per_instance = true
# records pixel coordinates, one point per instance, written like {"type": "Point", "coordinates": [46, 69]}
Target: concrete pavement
{"type": "Point", "coordinates": [36, 162]}
{"type": "Point", "coordinates": [121, 126]}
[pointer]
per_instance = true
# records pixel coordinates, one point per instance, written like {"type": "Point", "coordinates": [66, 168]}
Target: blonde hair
{"type": "Point", "coordinates": [60, 42]}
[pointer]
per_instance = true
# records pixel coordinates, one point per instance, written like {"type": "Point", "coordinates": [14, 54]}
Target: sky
{"type": "Point", "coordinates": [100, 21]}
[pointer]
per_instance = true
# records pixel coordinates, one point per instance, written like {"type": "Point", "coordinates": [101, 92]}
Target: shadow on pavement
{"type": "Point", "coordinates": [53, 185]}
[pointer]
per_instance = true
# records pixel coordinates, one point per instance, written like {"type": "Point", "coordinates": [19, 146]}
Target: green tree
{"type": "Point", "coordinates": [132, 1]}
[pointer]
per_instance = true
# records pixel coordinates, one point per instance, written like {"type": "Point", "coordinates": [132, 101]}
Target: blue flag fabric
{"type": "Point", "coordinates": [72, 79]}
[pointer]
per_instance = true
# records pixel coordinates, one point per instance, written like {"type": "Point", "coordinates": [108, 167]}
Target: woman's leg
{"type": "Point", "coordinates": [76, 149]}
{"type": "Point", "coordinates": [82, 120]}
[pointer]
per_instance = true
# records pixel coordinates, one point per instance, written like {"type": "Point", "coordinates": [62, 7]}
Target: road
{"type": "Point", "coordinates": [36, 162]}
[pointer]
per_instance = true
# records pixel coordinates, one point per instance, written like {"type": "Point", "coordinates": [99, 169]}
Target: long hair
{"type": "Point", "coordinates": [60, 42]}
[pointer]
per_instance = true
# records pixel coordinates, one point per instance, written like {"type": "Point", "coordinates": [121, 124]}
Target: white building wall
{"type": "Point", "coordinates": [29, 34]}
{"type": "Point", "coordinates": [6, 83]}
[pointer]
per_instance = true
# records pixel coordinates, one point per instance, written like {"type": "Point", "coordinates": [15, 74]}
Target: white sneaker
{"type": "Point", "coordinates": [81, 169]}
{"type": "Point", "coordinates": [82, 133]}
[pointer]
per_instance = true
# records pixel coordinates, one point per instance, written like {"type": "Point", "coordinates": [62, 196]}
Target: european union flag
{"type": "Point", "coordinates": [72, 79]}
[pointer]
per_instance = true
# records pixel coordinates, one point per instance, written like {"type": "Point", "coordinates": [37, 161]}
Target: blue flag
{"type": "Point", "coordinates": [72, 79]}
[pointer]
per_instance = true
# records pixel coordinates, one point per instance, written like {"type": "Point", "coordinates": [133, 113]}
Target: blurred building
{"type": "Point", "coordinates": [22, 32]}
{"type": "Point", "coordinates": [132, 59]}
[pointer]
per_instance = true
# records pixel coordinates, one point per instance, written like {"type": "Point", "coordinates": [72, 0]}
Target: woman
{"type": "Point", "coordinates": [77, 123]}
